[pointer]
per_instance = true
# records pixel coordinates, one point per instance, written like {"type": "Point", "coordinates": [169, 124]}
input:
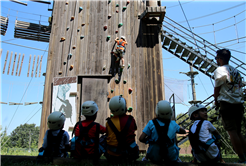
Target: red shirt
{"type": "Point", "coordinates": [91, 134]}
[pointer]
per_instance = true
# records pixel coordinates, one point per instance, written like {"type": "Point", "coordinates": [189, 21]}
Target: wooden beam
{"type": "Point", "coordinates": [18, 64]}
{"type": "Point", "coordinates": [33, 65]}
{"type": "Point", "coordinates": [3, 102]}
{"type": "Point", "coordinates": [19, 2]}
{"type": "Point", "coordinates": [45, 2]}
{"type": "Point", "coordinates": [1, 52]}
{"type": "Point", "coordinates": [11, 103]}
{"type": "Point", "coordinates": [21, 63]}
{"type": "Point", "coordinates": [30, 57]}
{"type": "Point", "coordinates": [5, 61]}
{"type": "Point", "coordinates": [40, 65]}
{"type": "Point", "coordinates": [13, 68]}
{"type": "Point", "coordinates": [30, 103]}
{"type": "Point", "coordinates": [37, 67]}
{"type": "Point", "coordinates": [10, 62]}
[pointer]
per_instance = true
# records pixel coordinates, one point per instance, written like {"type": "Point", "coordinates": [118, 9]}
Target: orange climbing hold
{"type": "Point", "coordinates": [63, 38]}
{"type": "Point", "coordinates": [71, 67]}
{"type": "Point", "coordinates": [74, 47]}
{"type": "Point", "coordinates": [127, 2]}
{"type": "Point", "coordinates": [116, 31]}
{"type": "Point", "coordinates": [72, 18]}
{"type": "Point", "coordinates": [130, 90]}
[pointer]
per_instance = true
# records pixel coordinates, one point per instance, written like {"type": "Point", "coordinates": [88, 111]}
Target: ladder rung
{"type": "Point", "coordinates": [191, 57]}
{"type": "Point", "coordinates": [166, 41]}
{"type": "Point", "coordinates": [211, 68]}
{"type": "Point", "coordinates": [179, 49]}
{"type": "Point", "coordinates": [205, 64]}
{"type": "Point", "coordinates": [185, 53]}
{"type": "Point", "coordinates": [173, 45]}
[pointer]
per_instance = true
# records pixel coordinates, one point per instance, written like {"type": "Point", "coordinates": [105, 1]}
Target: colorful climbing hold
{"type": "Point", "coordinates": [130, 109]}
{"type": "Point", "coordinates": [74, 47]}
{"type": "Point", "coordinates": [64, 63]}
{"type": "Point", "coordinates": [81, 37]}
{"type": "Point", "coordinates": [69, 56]}
{"type": "Point", "coordinates": [124, 8]}
{"type": "Point", "coordinates": [72, 17]}
{"type": "Point", "coordinates": [124, 81]}
{"type": "Point", "coordinates": [117, 11]}
{"type": "Point", "coordinates": [83, 24]}
{"type": "Point", "coordinates": [112, 90]}
{"type": "Point", "coordinates": [63, 38]}
{"type": "Point", "coordinates": [108, 37]}
{"type": "Point", "coordinates": [71, 67]}
{"type": "Point", "coordinates": [116, 31]}
{"type": "Point", "coordinates": [127, 2]}
{"type": "Point", "coordinates": [78, 30]}
{"type": "Point", "coordinates": [129, 65]}
{"type": "Point", "coordinates": [104, 67]}
{"type": "Point", "coordinates": [66, 3]}
{"type": "Point", "coordinates": [117, 5]}
{"type": "Point", "coordinates": [60, 72]}
{"type": "Point", "coordinates": [109, 16]}
{"type": "Point", "coordinates": [109, 1]}
{"type": "Point", "coordinates": [105, 27]}
{"type": "Point", "coordinates": [121, 95]}
{"type": "Point", "coordinates": [120, 25]}
{"type": "Point", "coordinates": [80, 8]}
{"type": "Point", "coordinates": [117, 81]}
{"type": "Point", "coordinates": [67, 28]}
{"type": "Point", "coordinates": [130, 90]}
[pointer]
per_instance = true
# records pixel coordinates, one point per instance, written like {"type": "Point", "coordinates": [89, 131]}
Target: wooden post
{"type": "Point", "coordinates": [40, 65]}
{"type": "Point", "coordinates": [21, 63]}
{"type": "Point", "coordinates": [1, 52]}
{"type": "Point", "coordinates": [13, 68]}
{"type": "Point", "coordinates": [10, 62]}
{"type": "Point", "coordinates": [37, 67]}
{"type": "Point", "coordinates": [33, 65]}
{"type": "Point", "coordinates": [5, 61]}
{"type": "Point", "coordinates": [17, 67]}
{"type": "Point", "coordinates": [30, 57]}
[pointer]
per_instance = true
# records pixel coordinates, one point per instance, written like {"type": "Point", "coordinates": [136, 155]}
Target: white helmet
{"type": "Point", "coordinates": [89, 108]}
{"type": "Point", "coordinates": [117, 105]}
{"type": "Point", "coordinates": [56, 120]}
{"type": "Point", "coordinates": [194, 108]}
{"type": "Point", "coordinates": [123, 37]}
{"type": "Point", "coordinates": [164, 110]}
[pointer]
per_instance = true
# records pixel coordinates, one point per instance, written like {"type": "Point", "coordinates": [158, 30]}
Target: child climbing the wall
{"type": "Point", "coordinates": [56, 140]}
{"type": "Point", "coordinates": [160, 134]}
{"type": "Point", "coordinates": [85, 144]}
{"type": "Point", "coordinates": [203, 136]}
{"type": "Point", "coordinates": [120, 129]}
{"type": "Point", "coordinates": [120, 49]}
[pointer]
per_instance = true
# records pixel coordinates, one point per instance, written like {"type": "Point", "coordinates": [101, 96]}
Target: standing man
{"type": "Point", "coordinates": [229, 97]}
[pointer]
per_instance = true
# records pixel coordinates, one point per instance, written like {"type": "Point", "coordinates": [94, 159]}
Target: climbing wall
{"type": "Point", "coordinates": [81, 42]}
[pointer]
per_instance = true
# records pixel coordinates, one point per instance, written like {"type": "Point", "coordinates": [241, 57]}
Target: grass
{"type": "Point", "coordinates": [34, 152]}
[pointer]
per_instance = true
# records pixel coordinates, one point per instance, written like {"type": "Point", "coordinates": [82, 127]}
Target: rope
{"type": "Point", "coordinates": [23, 12]}
{"type": "Point", "coordinates": [23, 46]}
{"type": "Point", "coordinates": [214, 13]}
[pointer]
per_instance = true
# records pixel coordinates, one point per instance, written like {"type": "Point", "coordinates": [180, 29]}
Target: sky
{"type": "Point", "coordinates": [21, 89]}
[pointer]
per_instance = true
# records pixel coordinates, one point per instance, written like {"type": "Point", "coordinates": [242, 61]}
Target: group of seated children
{"type": "Point", "coordinates": [118, 144]}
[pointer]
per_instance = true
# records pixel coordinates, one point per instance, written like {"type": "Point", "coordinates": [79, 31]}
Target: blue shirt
{"type": "Point", "coordinates": [150, 130]}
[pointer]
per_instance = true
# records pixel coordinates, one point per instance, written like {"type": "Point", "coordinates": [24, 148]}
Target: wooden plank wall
{"type": "Point", "coordinates": [93, 51]}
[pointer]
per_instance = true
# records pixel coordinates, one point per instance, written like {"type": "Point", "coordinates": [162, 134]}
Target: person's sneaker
{"type": "Point", "coordinates": [118, 58]}
{"type": "Point", "coordinates": [144, 159]}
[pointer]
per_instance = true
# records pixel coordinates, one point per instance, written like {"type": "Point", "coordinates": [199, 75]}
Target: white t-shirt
{"type": "Point", "coordinates": [230, 81]}
{"type": "Point", "coordinates": [205, 134]}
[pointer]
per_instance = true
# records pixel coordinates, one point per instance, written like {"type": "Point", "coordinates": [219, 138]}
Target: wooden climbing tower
{"type": "Point", "coordinates": [80, 46]}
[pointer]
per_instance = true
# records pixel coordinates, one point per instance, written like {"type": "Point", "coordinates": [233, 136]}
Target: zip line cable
{"type": "Point", "coordinates": [34, 114]}
{"type": "Point", "coordinates": [183, 4]}
{"type": "Point", "coordinates": [203, 85]}
{"type": "Point", "coordinates": [213, 13]}
{"type": "Point", "coordinates": [23, 46]}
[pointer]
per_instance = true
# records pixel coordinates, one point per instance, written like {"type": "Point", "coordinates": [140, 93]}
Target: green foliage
{"type": "Point", "coordinates": [23, 135]}
{"type": "Point", "coordinates": [3, 136]}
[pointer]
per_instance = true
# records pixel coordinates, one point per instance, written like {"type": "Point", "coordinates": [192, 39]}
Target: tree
{"type": "Point", "coordinates": [20, 137]}
{"type": "Point", "coordinates": [3, 135]}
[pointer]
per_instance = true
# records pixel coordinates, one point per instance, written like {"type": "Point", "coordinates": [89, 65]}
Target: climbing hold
{"type": "Point", "coordinates": [80, 8]}
{"type": "Point", "coordinates": [74, 47]}
{"type": "Point", "coordinates": [109, 16]}
{"type": "Point", "coordinates": [69, 56]}
{"type": "Point", "coordinates": [66, 3]}
{"type": "Point", "coordinates": [129, 65]}
{"type": "Point", "coordinates": [117, 5]}
{"type": "Point", "coordinates": [72, 18]}
{"type": "Point", "coordinates": [108, 37]}
{"type": "Point", "coordinates": [121, 95]}
{"type": "Point", "coordinates": [120, 25]}
{"type": "Point", "coordinates": [109, 1]}
{"type": "Point", "coordinates": [127, 2]}
{"type": "Point", "coordinates": [67, 28]}
{"type": "Point", "coordinates": [78, 30]}
{"type": "Point", "coordinates": [117, 11]}
{"type": "Point", "coordinates": [117, 81]}
{"type": "Point", "coordinates": [64, 63]}
{"type": "Point", "coordinates": [63, 38]}
{"type": "Point", "coordinates": [130, 90]}
{"type": "Point", "coordinates": [112, 90]}
{"type": "Point", "coordinates": [60, 72]}
{"type": "Point", "coordinates": [130, 109]}
{"type": "Point", "coordinates": [71, 67]}
{"type": "Point", "coordinates": [81, 37]}
{"type": "Point", "coordinates": [116, 31]}
{"type": "Point", "coordinates": [124, 8]}
{"type": "Point", "coordinates": [105, 27]}
{"type": "Point", "coordinates": [124, 81]}
{"type": "Point", "coordinates": [83, 24]}
{"type": "Point", "coordinates": [104, 67]}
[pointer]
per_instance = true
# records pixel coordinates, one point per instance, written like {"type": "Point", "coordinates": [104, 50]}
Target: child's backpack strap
{"type": "Point", "coordinates": [75, 127]}
{"type": "Point", "coordinates": [53, 144]}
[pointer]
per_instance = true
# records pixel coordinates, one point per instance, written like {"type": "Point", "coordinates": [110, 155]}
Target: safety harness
{"type": "Point", "coordinates": [122, 147]}
{"type": "Point", "coordinates": [83, 138]}
{"type": "Point", "coordinates": [53, 145]}
{"type": "Point", "coordinates": [198, 146]}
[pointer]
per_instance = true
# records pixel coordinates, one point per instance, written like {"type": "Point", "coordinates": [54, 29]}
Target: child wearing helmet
{"type": "Point", "coordinates": [56, 140]}
{"type": "Point", "coordinates": [160, 134]}
{"type": "Point", "coordinates": [85, 144]}
{"type": "Point", "coordinates": [120, 49]}
{"type": "Point", "coordinates": [203, 136]}
{"type": "Point", "coordinates": [120, 129]}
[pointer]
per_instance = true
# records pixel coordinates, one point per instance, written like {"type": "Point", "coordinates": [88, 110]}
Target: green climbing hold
{"type": "Point", "coordinates": [80, 8]}
{"type": "Point", "coordinates": [121, 95]}
{"type": "Point", "coordinates": [117, 5]}
{"type": "Point", "coordinates": [120, 25]}
{"type": "Point", "coordinates": [129, 66]}
{"type": "Point", "coordinates": [69, 56]}
{"type": "Point", "coordinates": [130, 109]}
{"type": "Point", "coordinates": [124, 81]}
{"type": "Point", "coordinates": [112, 90]}
{"type": "Point", "coordinates": [81, 37]}
{"type": "Point", "coordinates": [108, 37]}
{"type": "Point", "coordinates": [124, 8]}
{"type": "Point", "coordinates": [117, 81]}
